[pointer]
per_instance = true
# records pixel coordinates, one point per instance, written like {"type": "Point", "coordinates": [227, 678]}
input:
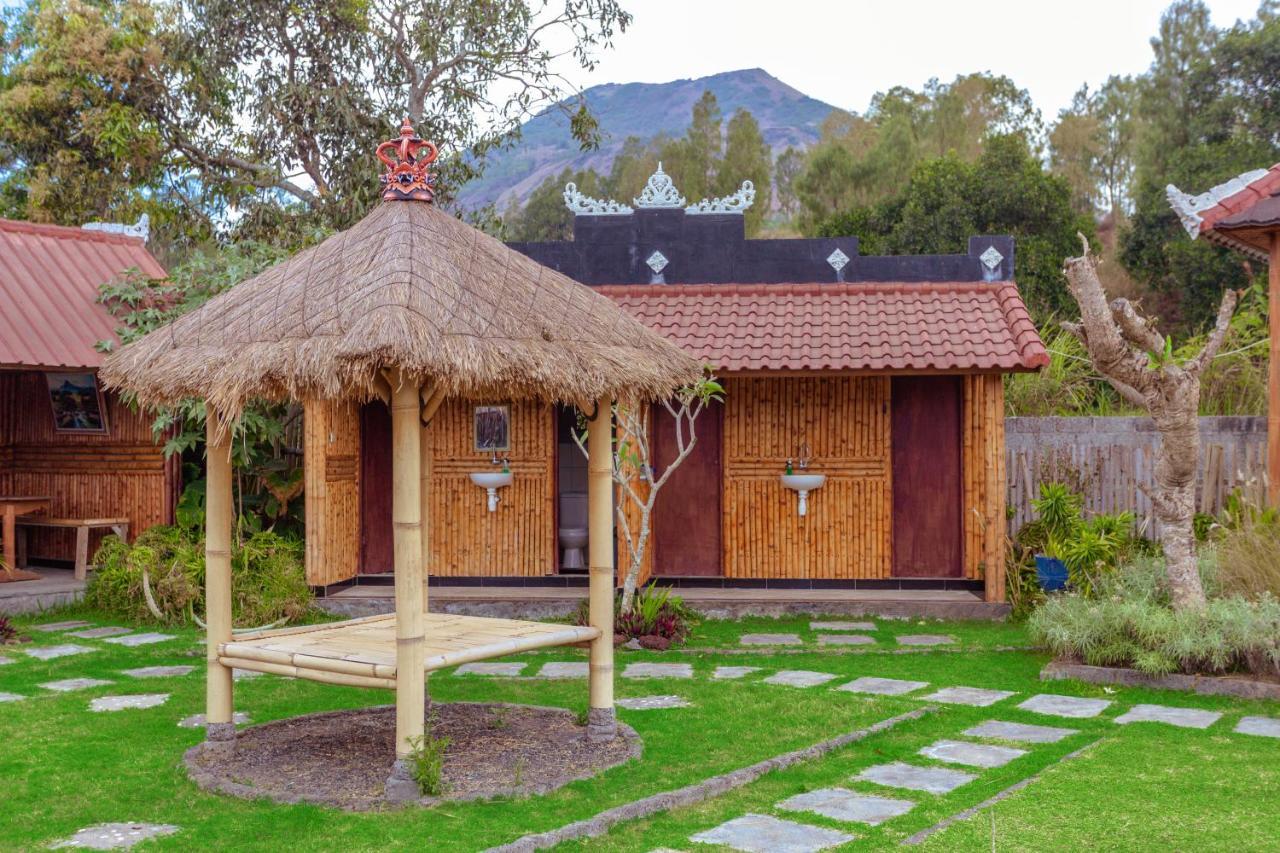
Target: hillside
{"type": "Point", "coordinates": [786, 117]}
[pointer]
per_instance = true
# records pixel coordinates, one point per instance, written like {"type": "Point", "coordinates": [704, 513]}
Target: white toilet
{"type": "Point", "coordinates": [573, 531]}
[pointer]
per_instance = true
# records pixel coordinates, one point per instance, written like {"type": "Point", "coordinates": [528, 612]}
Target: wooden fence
{"type": "Point", "coordinates": [1107, 458]}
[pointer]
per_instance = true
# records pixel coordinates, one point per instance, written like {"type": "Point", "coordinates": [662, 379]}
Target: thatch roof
{"type": "Point", "coordinates": [407, 287]}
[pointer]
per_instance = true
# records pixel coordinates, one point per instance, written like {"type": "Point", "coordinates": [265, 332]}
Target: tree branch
{"type": "Point", "coordinates": [1220, 328]}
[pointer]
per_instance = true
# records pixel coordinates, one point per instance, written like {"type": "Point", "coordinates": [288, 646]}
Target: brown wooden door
{"type": "Point", "coordinates": [927, 490]}
{"type": "Point", "coordinates": [376, 554]}
{"type": "Point", "coordinates": [686, 516]}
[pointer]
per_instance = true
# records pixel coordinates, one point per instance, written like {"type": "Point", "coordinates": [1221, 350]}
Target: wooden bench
{"type": "Point", "coordinates": [82, 526]}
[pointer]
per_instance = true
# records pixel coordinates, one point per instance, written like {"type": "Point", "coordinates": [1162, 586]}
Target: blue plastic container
{"type": "Point", "coordinates": [1051, 572]}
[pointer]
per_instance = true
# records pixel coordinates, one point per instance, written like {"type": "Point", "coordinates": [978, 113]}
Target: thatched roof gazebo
{"type": "Point", "coordinates": [413, 306]}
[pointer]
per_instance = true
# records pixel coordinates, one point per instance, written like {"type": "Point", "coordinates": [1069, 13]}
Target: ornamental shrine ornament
{"type": "Point", "coordinates": [407, 160]}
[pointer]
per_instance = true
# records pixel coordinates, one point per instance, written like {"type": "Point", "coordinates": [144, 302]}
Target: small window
{"type": "Point", "coordinates": [77, 402]}
{"type": "Point", "coordinates": [493, 428]}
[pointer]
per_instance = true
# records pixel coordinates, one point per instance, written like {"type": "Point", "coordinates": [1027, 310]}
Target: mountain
{"type": "Point", "coordinates": [786, 117]}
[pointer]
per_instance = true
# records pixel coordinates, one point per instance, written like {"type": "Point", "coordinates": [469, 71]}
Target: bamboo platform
{"type": "Point", "coordinates": [362, 652]}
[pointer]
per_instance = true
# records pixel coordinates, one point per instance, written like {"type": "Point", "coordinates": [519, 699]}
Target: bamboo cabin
{"type": "Point", "coordinates": [415, 309]}
{"type": "Point", "coordinates": [882, 373]}
{"type": "Point", "coordinates": [75, 457]}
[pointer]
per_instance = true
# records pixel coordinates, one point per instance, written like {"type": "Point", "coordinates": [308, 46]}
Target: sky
{"type": "Point", "coordinates": [844, 51]}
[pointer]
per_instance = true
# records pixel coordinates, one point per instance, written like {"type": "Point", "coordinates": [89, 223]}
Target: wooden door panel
{"type": "Point", "coordinates": [927, 490]}
{"type": "Point", "coordinates": [686, 516]}
{"type": "Point", "coordinates": [376, 548]}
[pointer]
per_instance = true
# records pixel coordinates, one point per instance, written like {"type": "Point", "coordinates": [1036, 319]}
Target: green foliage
{"type": "Point", "coordinates": [1090, 548]}
{"type": "Point", "coordinates": [8, 633]}
{"type": "Point", "coordinates": [654, 612]}
{"type": "Point", "coordinates": [426, 761]}
{"type": "Point", "coordinates": [1247, 545]}
{"type": "Point", "coordinates": [545, 215]}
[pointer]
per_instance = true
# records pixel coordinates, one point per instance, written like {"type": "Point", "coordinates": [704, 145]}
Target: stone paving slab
{"type": "Point", "coordinates": [842, 626]}
{"type": "Point", "coordinates": [68, 684]}
{"type": "Point", "coordinates": [116, 836]}
{"type": "Point", "coordinates": [652, 703]}
{"type": "Point", "coordinates": [757, 833]}
{"type": "Point", "coordinates": [99, 633]}
{"type": "Point", "coordinates": [1261, 726]}
{"type": "Point", "coordinates": [1065, 706]}
{"type": "Point", "coordinates": [845, 640]}
{"type": "Point", "coordinates": [1187, 718]}
{"type": "Point", "coordinates": [158, 671]}
{"type": "Point", "coordinates": [11, 697]}
{"type": "Point", "coordinates": [658, 670]}
{"type": "Point", "coordinates": [971, 754]}
{"type": "Point", "coordinates": [59, 651]}
{"type": "Point", "coordinates": [977, 696]}
{"type": "Point", "coordinates": [509, 668]}
{"type": "Point", "coordinates": [932, 780]}
{"type": "Point", "coordinates": [799, 678]}
{"type": "Point", "coordinates": [882, 686]}
{"type": "Point", "coordinates": [924, 640]}
{"type": "Point", "coordinates": [197, 721]}
{"type": "Point", "coordinates": [770, 640]}
{"type": "Point", "coordinates": [120, 703]}
{"type": "Point", "coordinates": [144, 639]}
{"type": "Point", "coordinates": [51, 627]}
{"type": "Point", "coordinates": [846, 805]}
{"type": "Point", "coordinates": [4, 660]}
{"type": "Point", "coordinates": [1020, 732]}
{"type": "Point", "coordinates": [238, 674]}
{"type": "Point", "coordinates": [564, 669]}
{"type": "Point", "coordinates": [726, 672]}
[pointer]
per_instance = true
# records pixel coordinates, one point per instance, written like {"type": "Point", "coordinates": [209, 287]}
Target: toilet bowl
{"type": "Point", "coordinates": [573, 530]}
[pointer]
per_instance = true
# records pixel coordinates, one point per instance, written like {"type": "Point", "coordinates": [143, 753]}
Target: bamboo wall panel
{"type": "Point", "coordinates": [331, 444]}
{"type": "Point", "coordinates": [983, 473]}
{"type": "Point", "coordinates": [845, 423]}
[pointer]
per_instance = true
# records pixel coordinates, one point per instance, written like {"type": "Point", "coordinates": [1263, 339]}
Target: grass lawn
{"type": "Point", "coordinates": [1141, 786]}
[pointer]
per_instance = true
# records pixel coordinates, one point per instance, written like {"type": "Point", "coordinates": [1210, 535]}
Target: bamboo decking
{"type": "Point", "coordinates": [362, 652]}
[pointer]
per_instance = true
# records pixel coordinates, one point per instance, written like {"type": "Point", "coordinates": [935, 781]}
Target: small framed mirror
{"type": "Point", "coordinates": [492, 428]}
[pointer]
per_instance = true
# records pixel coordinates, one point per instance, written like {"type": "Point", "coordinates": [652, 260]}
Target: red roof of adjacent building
{"type": "Point", "coordinates": [49, 279]}
{"type": "Point", "coordinates": [1232, 213]}
{"type": "Point", "coordinates": [869, 326]}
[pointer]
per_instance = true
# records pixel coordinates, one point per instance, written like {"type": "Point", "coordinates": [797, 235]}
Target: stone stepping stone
{"type": "Point", "coordinates": [564, 669]}
{"type": "Point", "coordinates": [842, 626]}
{"type": "Point", "coordinates": [757, 833]}
{"type": "Point", "coordinates": [882, 686]}
{"type": "Point", "coordinates": [158, 671]}
{"type": "Point", "coordinates": [116, 836]}
{"type": "Point", "coordinates": [1261, 726]}
{"type": "Point", "coordinates": [69, 684]}
{"type": "Point", "coordinates": [971, 754]}
{"type": "Point", "coordinates": [726, 672]}
{"type": "Point", "coordinates": [99, 633]}
{"type": "Point", "coordinates": [510, 668]}
{"type": "Point", "coordinates": [197, 721]}
{"type": "Point", "coordinates": [120, 703]}
{"type": "Point", "coordinates": [658, 670]}
{"type": "Point", "coordinates": [11, 697]}
{"type": "Point", "coordinates": [144, 639]}
{"type": "Point", "coordinates": [846, 805]}
{"type": "Point", "coordinates": [845, 640]}
{"type": "Point", "coordinates": [1020, 732]}
{"type": "Point", "coordinates": [1187, 718]}
{"type": "Point", "coordinates": [4, 660]}
{"type": "Point", "coordinates": [932, 780]}
{"type": "Point", "coordinates": [770, 640]}
{"type": "Point", "coordinates": [977, 696]}
{"type": "Point", "coordinates": [800, 678]}
{"type": "Point", "coordinates": [1065, 706]}
{"type": "Point", "coordinates": [924, 640]}
{"type": "Point", "coordinates": [242, 674]}
{"type": "Point", "coordinates": [652, 703]}
{"type": "Point", "coordinates": [60, 651]}
{"type": "Point", "coordinates": [52, 627]}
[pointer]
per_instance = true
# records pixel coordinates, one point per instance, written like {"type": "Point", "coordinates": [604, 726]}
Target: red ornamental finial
{"type": "Point", "coordinates": [407, 159]}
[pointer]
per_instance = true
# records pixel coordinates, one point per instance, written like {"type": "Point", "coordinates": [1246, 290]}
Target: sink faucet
{"type": "Point", "coordinates": [505, 462]}
{"type": "Point", "coordinates": [803, 454]}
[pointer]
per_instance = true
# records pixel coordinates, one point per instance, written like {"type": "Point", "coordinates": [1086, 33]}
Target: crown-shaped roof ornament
{"type": "Point", "coordinates": [659, 191]}
{"type": "Point", "coordinates": [407, 160]}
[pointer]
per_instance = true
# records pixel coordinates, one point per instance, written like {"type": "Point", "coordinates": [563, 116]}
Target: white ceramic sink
{"type": "Point", "coordinates": [803, 482]}
{"type": "Point", "coordinates": [491, 479]}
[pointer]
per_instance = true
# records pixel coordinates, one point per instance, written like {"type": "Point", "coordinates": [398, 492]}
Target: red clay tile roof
{"type": "Point", "coordinates": [882, 326]}
{"type": "Point", "coordinates": [49, 278]}
{"type": "Point", "coordinates": [1231, 205]}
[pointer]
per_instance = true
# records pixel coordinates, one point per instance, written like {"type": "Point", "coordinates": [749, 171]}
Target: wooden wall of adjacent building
{"type": "Point", "coordinates": [331, 491]}
{"type": "Point", "coordinates": [985, 483]}
{"type": "Point", "coordinates": [122, 473]}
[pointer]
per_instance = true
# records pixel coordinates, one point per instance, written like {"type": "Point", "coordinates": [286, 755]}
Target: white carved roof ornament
{"type": "Point", "coordinates": [659, 191]}
{"type": "Point", "coordinates": [1189, 207]}
{"type": "Point", "coordinates": [736, 203]}
{"type": "Point", "coordinates": [584, 205]}
{"type": "Point", "coordinates": [141, 228]}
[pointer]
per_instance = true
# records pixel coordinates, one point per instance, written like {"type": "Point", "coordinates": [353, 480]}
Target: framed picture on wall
{"type": "Point", "coordinates": [493, 428]}
{"type": "Point", "coordinates": [77, 402]}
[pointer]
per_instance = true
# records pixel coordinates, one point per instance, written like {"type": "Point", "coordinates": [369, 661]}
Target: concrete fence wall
{"type": "Point", "coordinates": [1107, 458]}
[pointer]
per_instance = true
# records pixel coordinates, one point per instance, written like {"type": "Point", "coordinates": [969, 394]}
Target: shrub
{"type": "Point", "coordinates": [1248, 559]}
{"type": "Point", "coordinates": [655, 612]}
{"type": "Point", "coordinates": [427, 760]}
{"type": "Point", "coordinates": [8, 633]}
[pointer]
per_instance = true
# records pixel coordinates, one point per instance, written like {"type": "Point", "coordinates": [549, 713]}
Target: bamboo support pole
{"type": "Point", "coordinates": [406, 515]}
{"type": "Point", "coordinates": [602, 723]}
{"type": "Point", "coordinates": [1273, 375]}
{"type": "Point", "coordinates": [217, 576]}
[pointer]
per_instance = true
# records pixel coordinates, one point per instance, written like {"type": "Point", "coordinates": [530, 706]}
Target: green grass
{"type": "Point", "coordinates": [1142, 785]}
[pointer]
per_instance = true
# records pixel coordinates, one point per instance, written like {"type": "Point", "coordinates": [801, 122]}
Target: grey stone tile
{"type": "Point", "coordinates": [845, 640]}
{"type": "Point", "coordinates": [652, 703]}
{"type": "Point", "coordinates": [977, 696]}
{"type": "Point", "coordinates": [799, 678]}
{"type": "Point", "coordinates": [99, 633]}
{"type": "Point", "coordinates": [116, 836]}
{"type": "Point", "coordinates": [510, 668]}
{"type": "Point", "coordinates": [1187, 718]}
{"type": "Point", "coordinates": [757, 833]}
{"type": "Point", "coordinates": [1261, 726]}
{"type": "Point", "coordinates": [69, 684]}
{"type": "Point", "coordinates": [1065, 706]}
{"type": "Point", "coordinates": [11, 697]}
{"type": "Point", "coordinates": [933, 780]}
{"type": "Point", "coordinates": [658, 670]}
{"type": "Point", "coordinates": [842, 626]}
{"type": "Point", "coordinates": [53, 627]}
{"type": "Point", "coordinates": [158, 671]}
{"type": "Point", "coordinates": [5, 661]}
{"type": "Point", "coordinates": [882, 686]}
{"type": "Point", "coordinates": [971, 754]}
{"type": "Point", "coordinates": [1019, 732]}
{"type": "Point", "coordinates": [242, 674]}
{"type": "Point", "coordinates": [924, 640]}
{"type": "Point", "coordinates": [770, 640]}
{"type": "Point", "coordinates": [564, 669]}
{"type": "Point", "coordinates": [197, 721]}
{"type": "Point", "coordinates": [843, 804]}
{"type": "Point", "coordinates": [60, 651]}
{"type": "Point", "coordinates": [120, 703]}
{"type": "Point", "coordinates": [729, 672]}
{"type": "Point", "coordinates": [144, 639]}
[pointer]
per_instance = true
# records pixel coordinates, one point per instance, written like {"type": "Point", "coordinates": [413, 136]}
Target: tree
{"type": "Point", "coordinates": [545, 216]}
{"type": "Point", "coordinates": [785, 172]}
{"type": "Point", "coordinates": [746, 158]}
{"type": "Point", "coordinates": [1139, 363]}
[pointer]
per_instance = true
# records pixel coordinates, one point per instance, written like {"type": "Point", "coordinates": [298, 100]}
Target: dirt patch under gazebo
{"type": "Point", "coordinates": [339, 758]}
